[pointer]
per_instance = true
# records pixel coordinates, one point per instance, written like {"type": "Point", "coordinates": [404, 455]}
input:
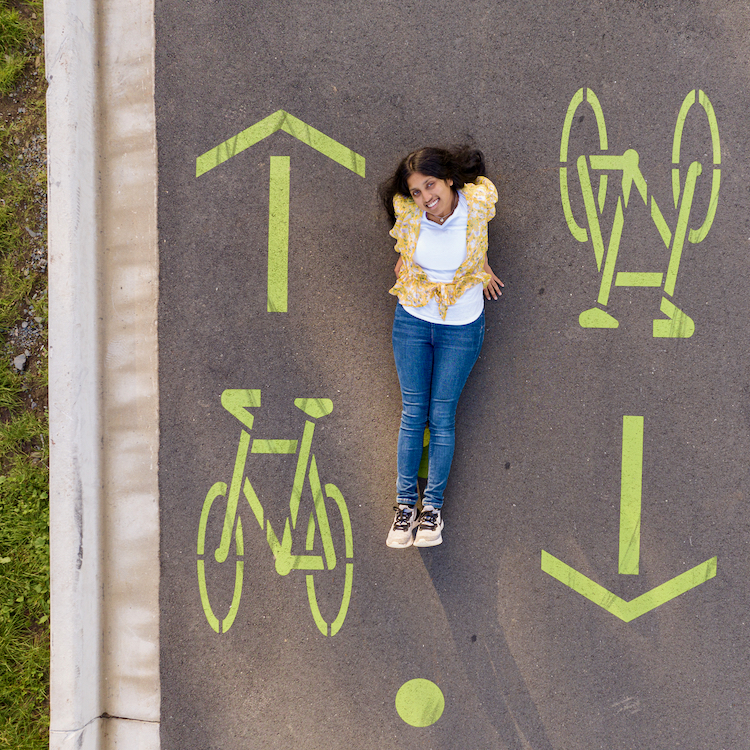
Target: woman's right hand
{"type": "Point", "coordinates": [399, 263]}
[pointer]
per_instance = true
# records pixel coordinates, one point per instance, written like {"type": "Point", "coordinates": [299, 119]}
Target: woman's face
{"type": "Point", "coordinates": [431, 193]}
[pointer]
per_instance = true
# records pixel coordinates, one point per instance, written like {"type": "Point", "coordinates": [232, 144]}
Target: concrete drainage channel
{"type": "Point", "coordinates": [103, 276]}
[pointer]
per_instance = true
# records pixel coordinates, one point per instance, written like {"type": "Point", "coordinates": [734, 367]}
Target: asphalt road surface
{"type": "Point", "coordinates": [591, 591]}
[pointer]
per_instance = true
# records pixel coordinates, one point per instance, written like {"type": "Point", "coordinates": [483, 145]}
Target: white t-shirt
{"type": "Point", "coordinates": [441, 249]}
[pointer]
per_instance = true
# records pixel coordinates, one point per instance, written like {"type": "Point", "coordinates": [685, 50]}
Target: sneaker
{"type": "Point", "coordinates": [429, 533]}
{"type": "Point", "coordinates": [401, 532]}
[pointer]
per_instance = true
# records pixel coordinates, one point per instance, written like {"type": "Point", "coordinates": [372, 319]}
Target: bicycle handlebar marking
{"type": "Point", "coordinates": [236, 402]}
{"type": "Point", "coordinates": [678, 324]}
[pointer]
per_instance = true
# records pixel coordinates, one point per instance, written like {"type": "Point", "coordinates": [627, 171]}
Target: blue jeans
{"type": "Point", "coordinates": [433, 362]}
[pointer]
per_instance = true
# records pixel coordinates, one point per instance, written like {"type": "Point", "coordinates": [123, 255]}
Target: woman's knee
{"type": "Point", "coordinates": [442, 418]}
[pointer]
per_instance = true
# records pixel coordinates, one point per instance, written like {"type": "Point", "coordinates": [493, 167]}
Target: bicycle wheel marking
{"type": "Point", "coordinates": [677, 324]}
{"type": "Point", "coordinates": [219, 489]}
{"type": "Point", "coordinates": [237, 402]}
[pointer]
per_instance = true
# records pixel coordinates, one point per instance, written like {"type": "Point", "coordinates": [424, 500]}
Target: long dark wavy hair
{"type": "Point", "coordinates": [461, 164]}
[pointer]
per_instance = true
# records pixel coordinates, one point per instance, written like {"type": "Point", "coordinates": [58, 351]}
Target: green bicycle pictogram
{"type": "Point", "coordinates": [236, 402]}
{"type": "Point", "coordinates": [678, 324]}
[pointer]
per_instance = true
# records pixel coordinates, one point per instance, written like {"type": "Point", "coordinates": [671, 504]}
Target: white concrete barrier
{"type": "Point", "coordinates": [103, 274]}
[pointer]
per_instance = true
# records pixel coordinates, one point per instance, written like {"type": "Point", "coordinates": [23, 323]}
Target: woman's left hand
{"type": "Point", "coordinates": [493, 288]}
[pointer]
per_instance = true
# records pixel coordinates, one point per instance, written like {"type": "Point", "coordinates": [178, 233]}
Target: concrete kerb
{"type": "Point", "coordinates": [103, 287]}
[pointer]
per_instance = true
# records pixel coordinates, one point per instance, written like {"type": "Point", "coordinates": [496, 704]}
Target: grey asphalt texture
{"type": "Point", "coordinates": [523, 661]}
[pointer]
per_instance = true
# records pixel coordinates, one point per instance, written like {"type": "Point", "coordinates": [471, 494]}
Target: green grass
{"type": "Point", "coordinates": [24, 502]}
{"type": "Point", "coordinates": [14, 33]}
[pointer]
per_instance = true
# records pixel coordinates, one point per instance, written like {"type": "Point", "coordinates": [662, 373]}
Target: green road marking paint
{"type": "Point", "coordinates": [612, 249]}
{"type": "Point", "coordinates": [679, 325]}
{"type": "Point", "coordinates": [698, 235]}
{"type": "Point", "coordinates": [314, 608]}
{"type": "Point", "coordinates": [687, 102]}
{"type": "Point", "coordinates": [306, 562]}
{"type": "Point", "coordinates": [213, 621]}
{"type": "Point", "coordinates": [424, 462]}
{"type": "Point", "coordinates": [278, 204]}
{"type": "Point", "coordinates": [578, 232]}
{"type": "Point", "coordinates": [314, 407]}
{"type": "Point", "coordinates": [569, 115]}
{"type": "Point", "coordinates": [278, 235]}
{"type": "Point", "coordinates": [239, 574]}
{"type": "Point", "coordinates": [638, 279]}
{"type": "Point", "coordinates": [219, 489]}
{"type": "Point", "coordinates": [280, 120]}
{"type": "Point", "coordinates": [597, 318]}
{"type": "Point", "coordinates": [594, 103]}
{"type": "Point", "coordinates": [629, 548]}
{"type": "Point", "coordinates": [631, 173]}
{"type": "Point", "coordinates": [341, 616]}
{"type": "Point", "coordinates": [602, 197]}
{"type": "Point", "coordinates": [338, 621]}
{"type": "Point", "coordinates": [712, 124]}
{"type": "Point", "coordinates": [301, 471]}
{"type": "Point", "coordinates": [274, 446]}
{"type": "Point", "coordinates": [334, 494]}
{"type": "Point", "coordinates": [628, 611]}
{"type": "Point", "coordinates": [420, 703]}
{"type": "Point", "coordinates": [678, 241]}
{"type": "Point", "coordinates": [236, 402]}
{"type": "Point", "coordinates": [661, 224]}
{"type": "Point", "coordinates": [320, 510]}
{"type": "Point", "coordinates": [233, 498]}
{"type": "Point", "coordinates": [676, 185]}
{"type": "Point", "coordinates": [588, 201]}
{"type": "Point", "coordinates": [630, 495]}
{"type": "Point", "coordinates": [310, 538]}
{"type": "Point", "coordinates": [253, 501]}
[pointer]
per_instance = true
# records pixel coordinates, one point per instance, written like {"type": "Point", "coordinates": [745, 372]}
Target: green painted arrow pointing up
{"type": "Point", "coordinates": [630, 543]}
{"type": "Point", "coordinates": [289, 124]}
{"type": "Point", "coordinates": [278, 207]}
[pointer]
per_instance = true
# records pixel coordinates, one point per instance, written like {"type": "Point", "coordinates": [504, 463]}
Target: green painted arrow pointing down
{"type": "Point", "coordinates": [630, 540]}
{"type": "Point", "coordinates": [278, 205]}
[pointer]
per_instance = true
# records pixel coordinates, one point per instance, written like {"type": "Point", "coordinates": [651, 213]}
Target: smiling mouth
{"type": "Point", "coordinates": [433, 203]}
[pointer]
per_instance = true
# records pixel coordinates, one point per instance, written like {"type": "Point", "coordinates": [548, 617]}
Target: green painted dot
{"type": "Point", "coordinates": [420, 702]}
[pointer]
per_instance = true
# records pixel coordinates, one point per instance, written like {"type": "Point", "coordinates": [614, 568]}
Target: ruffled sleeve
{"type": "Point", "coordinates": [482, 197]}
{"type": "Point", "coordinates": [403, 230]}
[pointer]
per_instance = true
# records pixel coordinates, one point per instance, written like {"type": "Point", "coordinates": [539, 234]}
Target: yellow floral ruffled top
{"type": "Point", "coordinates": [413, 288]}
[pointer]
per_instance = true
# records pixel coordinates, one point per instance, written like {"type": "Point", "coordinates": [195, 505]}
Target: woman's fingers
{"type": "Point", "coordinates": [492, 289]}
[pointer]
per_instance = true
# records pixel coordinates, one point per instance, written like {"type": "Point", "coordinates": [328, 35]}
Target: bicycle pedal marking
{"type": "Point", "coordinates": [231, 541]}
{"type": "Point", "coordinates": [677, 324]}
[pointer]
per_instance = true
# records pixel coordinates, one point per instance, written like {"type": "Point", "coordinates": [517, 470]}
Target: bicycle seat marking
{"type": "Point", "coordinates": [318, 528]}
{"type": "Point", "coordinates": [677, 323]}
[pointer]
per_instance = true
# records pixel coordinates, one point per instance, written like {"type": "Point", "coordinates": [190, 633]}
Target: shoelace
{"type": "Point", "coordinates": [429, 519]}
{"type": "Point", "coordinates": [403, 518]}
